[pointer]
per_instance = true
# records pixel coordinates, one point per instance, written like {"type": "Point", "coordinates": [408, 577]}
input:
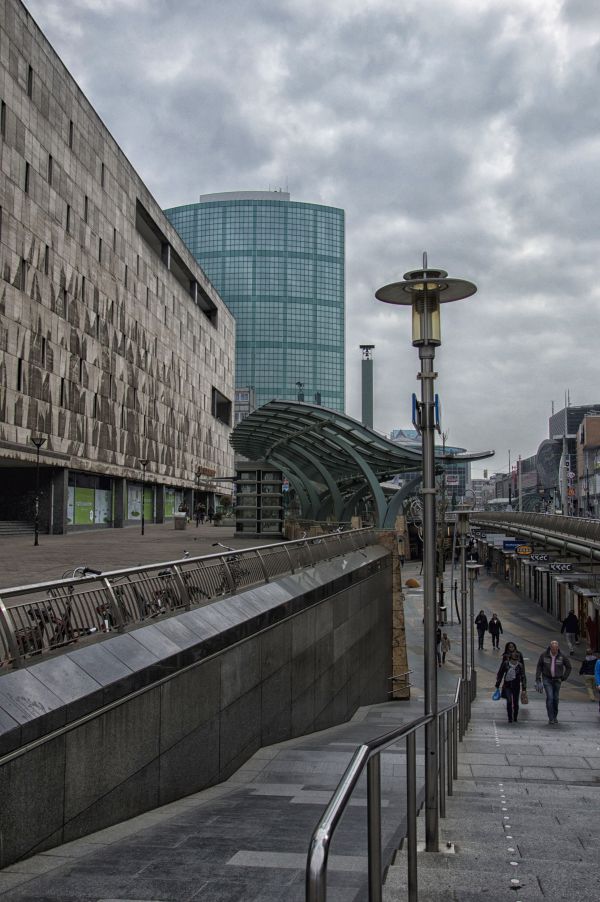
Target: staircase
{"type": "Point", "coordinates": [16, 528]}
{"type": "Point", "coordinates": [522, 823]}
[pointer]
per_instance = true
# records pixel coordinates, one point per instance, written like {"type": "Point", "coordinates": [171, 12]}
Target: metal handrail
{"type": "Point", "coordinates": [43, 617]}
{"type": "Point", "coordinates": [452, 719]}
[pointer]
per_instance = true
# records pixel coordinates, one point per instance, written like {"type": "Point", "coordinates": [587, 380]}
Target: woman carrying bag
{"type": "Point", "coordinates": [515, 683]}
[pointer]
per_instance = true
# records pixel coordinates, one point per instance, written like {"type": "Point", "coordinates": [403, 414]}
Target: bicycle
{"type": "Point", "coordinates": [237, 570]}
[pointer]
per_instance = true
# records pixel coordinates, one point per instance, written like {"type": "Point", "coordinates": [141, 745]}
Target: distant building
{"type": "Point", "coordinates": [588, 466]}
{"type": "Point", "coordinates": [457, 473]}
{"type": "Point", "coordinates": [279, 266]}
{"type": "Point", "coordinates": [114, 346]}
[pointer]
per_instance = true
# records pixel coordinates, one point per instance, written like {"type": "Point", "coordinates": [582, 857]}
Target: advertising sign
{"type": "Point", "coordinates": [524, 550]}
{"type": "Point", "coordinates": [541, 558]}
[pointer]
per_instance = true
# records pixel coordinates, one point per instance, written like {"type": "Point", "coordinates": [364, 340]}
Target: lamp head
{"type": "Point", "coordinates": [424, 290]}
{"type": "Point", "coordinates": [143, 461]}
{"type": "Point", "coordinates": [37, 439]}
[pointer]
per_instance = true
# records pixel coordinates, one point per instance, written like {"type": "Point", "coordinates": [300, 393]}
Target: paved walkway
{"type": "Point", "coordinates": [108, 549]}
{"type": "Point", "coordinates": [247, 839]}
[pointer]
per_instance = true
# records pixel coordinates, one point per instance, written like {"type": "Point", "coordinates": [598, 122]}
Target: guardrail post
{"type": "Point", "coordinates": [263, 566]}
{"type": "Point", "coordinates": [455, 733]}
{"type": "Point", "coordinates": [411, 816]}
{"type": "Point", "coordinates": [290, 558]}
{"type": "Point", "coordinates": [8, 628]}
{"type": "Point", "coordinates": [181, 585]}
{"type": "Point", "coordinates": [442, 764]}
{"type": "Point", "coordinates": [228, 574]}
{"type": "Point", "coordinates": [374, 826]}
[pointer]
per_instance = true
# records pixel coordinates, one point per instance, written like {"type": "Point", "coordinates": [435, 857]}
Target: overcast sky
{"type": "Point", "coordinates": [466, 128]}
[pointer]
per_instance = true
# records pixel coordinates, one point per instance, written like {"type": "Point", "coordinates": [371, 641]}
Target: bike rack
{"type": "Point", "coordinates": [88, 596]}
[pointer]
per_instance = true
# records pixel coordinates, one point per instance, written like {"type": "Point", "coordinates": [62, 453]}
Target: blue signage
{"type": "Point", "coordinates": [511, 544]}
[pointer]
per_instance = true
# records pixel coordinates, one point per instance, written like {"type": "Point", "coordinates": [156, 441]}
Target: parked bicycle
{"type": "Point", "coordinates": [233, 563]}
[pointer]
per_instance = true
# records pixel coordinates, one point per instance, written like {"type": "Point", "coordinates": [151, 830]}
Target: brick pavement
{"type": "Point", "coordinates": [108, 549]}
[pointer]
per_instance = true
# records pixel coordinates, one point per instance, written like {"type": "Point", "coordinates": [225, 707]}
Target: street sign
{"type": "Point", "coordinates": [561, 568]}
{"type": "Point", "coordinates": [524, 550]}
{"type": "Point", "coordinates": [510, 544]}
{"type": "Point", "coordinates": [540, 558]}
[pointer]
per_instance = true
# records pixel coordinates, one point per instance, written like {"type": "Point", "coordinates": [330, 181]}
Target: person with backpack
{"type": "Point", "coordinates": [588, 671]}
{"type": "Point", "coordinates": [513, 672]}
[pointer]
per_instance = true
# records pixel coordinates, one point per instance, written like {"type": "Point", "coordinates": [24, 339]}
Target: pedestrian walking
{"type": "Point", "coordinates": [570, 627]}
{"type": "Point", "coordinates": [508, 650]}
{"type": "Point", "coordinates": [481, 623]}
{"type": "Point", "coordinates": [512, 671]}
{"type": "Point", "coordinates": [211, 513]}
{"type": "Point", "coordinates": [553, 668]}
{"type": "Point", "coordinates": [445, 646]}
{"type": "Point", "coordinates": [495, 628]}
{"type": "Point", "coordinates": [588, 671]}
{"type": "Point", "coordinates": [200, 513]}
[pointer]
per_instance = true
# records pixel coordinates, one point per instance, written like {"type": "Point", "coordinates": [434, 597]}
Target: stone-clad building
{"type": "Point", "coordinates": [114, 346]}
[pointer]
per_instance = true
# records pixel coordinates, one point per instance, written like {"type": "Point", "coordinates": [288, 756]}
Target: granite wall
{"type": "Point", "coordinates": [106, 732]}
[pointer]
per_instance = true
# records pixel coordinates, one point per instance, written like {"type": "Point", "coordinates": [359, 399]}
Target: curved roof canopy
{"type": "Point", "coordinates": [331, 459]}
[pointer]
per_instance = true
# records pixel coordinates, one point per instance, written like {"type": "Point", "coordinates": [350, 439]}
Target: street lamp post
{"type": "Point", "coordinates": [143, 464]}
{"type": "Point", "coordinates": [424, 290]}
{"type": "Point", "coordinates": [473, 569]}
{"type": "Point", "coordinates": [38, 441]}
{"type": "Point", "coordinates": [463, 531]}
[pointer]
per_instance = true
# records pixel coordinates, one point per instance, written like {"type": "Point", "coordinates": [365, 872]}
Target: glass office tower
{"type": "Point", "coordinates": [279, 267]}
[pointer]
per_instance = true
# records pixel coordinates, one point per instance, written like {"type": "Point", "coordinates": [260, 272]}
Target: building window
{"type": "Point", "coordinates": [71, 130]}
{"type": "Point", "coordinates": [114, 239]}
{"type": "Point", "coordinates": [19, 374]}
{"type": "Point", "coordinates": [23, 274]}
{"type": "Point", "coordinates": [30, 81]}
{"type": "Point", "coordinates": [3, 119]}
{"type": "Point", "coordinates": [43, 353]}
{"type": "Point", "coordinates": [86, 208]}
{"type": "Point", "coordinates": [221, 407]}
{"type": "Point", "coordinates": [62, 391]}
{"type": "Point", "coordinates": [100, 250]}
{"type": "Point", "coordinates": [68, 223]}
{"type": "Point", "coordinates": [102, 176]}
{"type": "Point", "coordinates": [27, 168]}
{"type": "Point", "coordinates": [83, 289]}
{"type": "Point", "coordinates": [126, 275]}
{"type": "Point", "coordinates": [47, 260]}
{"type": "Point", "coordinates": [50, 166]}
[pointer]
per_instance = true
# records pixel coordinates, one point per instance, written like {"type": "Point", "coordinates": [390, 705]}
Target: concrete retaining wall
{"type": "Point", "coordinates": [278, 661]}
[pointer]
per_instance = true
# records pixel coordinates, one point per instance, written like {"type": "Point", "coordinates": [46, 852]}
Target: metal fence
{"type": "Point", "coordinates": [452, 723]}
{"type": "Point", "coordinates": [41, 618]}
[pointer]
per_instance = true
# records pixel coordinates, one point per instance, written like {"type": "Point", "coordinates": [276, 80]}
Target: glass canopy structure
{"type": "Point", "coordinates": [332, 461]}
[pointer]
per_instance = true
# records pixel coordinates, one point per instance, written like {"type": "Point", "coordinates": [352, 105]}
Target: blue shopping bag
{"type": "Point", "coordinates": [497, 695]}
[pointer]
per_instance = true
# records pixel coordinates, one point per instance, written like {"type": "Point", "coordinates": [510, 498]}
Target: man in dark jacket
{"type": "Point", "coordinates": [495, 628]}
{"type": "Point", "coordinates": [553, 668]}
{"type": "Point", "coordinates": [570, 626]}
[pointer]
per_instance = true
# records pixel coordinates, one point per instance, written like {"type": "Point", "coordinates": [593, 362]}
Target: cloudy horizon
{"type": "Point", "coordinates": [464, 128]}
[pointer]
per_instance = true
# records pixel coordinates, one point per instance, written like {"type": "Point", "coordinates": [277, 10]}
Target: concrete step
{"type": "Point", "coordinates": [16, 528]}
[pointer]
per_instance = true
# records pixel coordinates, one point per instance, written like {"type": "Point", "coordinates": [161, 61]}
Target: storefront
{"type": "Point", "coordinates": [90, 500]}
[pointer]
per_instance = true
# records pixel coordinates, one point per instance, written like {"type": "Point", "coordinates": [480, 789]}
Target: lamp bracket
{"type": "Point", "coordinates": [431, 375]}
{"type": "Point", "coordinates": [428, 491]}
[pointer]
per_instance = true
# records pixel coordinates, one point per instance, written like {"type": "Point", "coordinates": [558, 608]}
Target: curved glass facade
{"type": "Point", "coordinates": [279, 267]}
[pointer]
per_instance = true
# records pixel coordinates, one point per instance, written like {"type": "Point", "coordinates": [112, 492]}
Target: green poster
{"type": "Point", "coordinates": [84, 506]}
{"type": "Point", "coordinates": [169, 502]}
{"type": "Point", "coordinates": [148, 504]}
